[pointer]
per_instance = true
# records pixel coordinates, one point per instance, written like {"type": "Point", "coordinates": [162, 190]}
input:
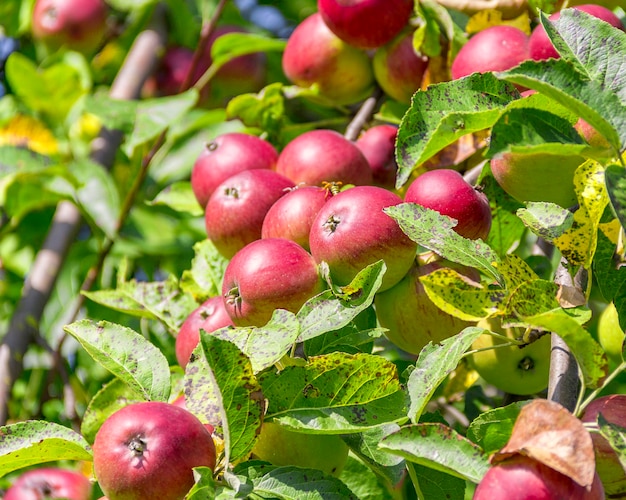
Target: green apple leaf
{"type": "Point", "coordinates": [15, 159]}
{"type": "Point", "coordinates": [336, 308]}
{"type": "Point", "coordinates": [594, 47]}
{"type": "Point", "coordinates": [179, 197]}
{"type": "Point", "coordinates": [558, 79]}
{"type": "Point", "coordinates": [434, 364]}
{"type": "Point", "coordinates": [364, 482]}
{"type": "Point", "coordinates": [615, 178]}
{"type": "Point", "coordinates": [230, 45]}
{"type": "Point", "coordinates": [114, 114]}
{"type": "Point", "coordinates": [441, 114]}
{"type": "Point", "coordinates": [265, 345]}
{"type": "Point", "coordinates": [434, 231]}
{"type": "Point", "coordinates": [204, 279]}
{"type": "Point", "coordinates": [154, 117]}
{"type": "Point", "coordinates": [161, 300]}
{"type": "Point", "coordinates": [219, 382]}
{"type": "Point", "coordinates": [546, 220]}
{"type": "Point", "coordinates": [33, 442]}
{"type": "Point", "coordinates": [515, 271]}
{"type": "Point", "coordinates": [127, 355]}
{"type": "Point", "coordinates": [491, 430]}
{"type": "Point", "coordinates": [454, 294]}
{"type": "Point", "coordinates": [112, 397]}
{"type": "Point", "coordinates": [433, 483]}
{"type": "Point", "coordinates": [334, 394]}
{"type": "Point", "coordinates": [439, 447]}
{"type": "Point", "coordinates": [610, 277]}
{"type": "Point", "coordinates": [204, 486]}
{"type": "Point", "coordinates": [616, 436]}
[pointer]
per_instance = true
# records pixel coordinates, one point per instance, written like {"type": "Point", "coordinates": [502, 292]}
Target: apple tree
{"type": "Point", "coordinates": [312, 249]}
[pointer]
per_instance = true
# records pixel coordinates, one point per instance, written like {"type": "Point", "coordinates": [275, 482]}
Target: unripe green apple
{"type": "Point", "coordinates": [280, 446]}
{"type": "Point", "coordinates": [537, 176]}
{"type": "Point", "coordinates": [315, 55]}
{"type": "Point", "coordinates": [512, 369]}
{"type": "Point", "coordinates": [610, 333]}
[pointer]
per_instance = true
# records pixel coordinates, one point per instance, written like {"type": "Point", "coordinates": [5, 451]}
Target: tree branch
{"type": "Point", "coordinates": [24, 326]}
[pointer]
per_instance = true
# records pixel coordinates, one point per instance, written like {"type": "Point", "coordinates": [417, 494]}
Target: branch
{"type": "Point", "coordinates": [24, 326]}
{"type": "Point", "coordinates": [362, 116]}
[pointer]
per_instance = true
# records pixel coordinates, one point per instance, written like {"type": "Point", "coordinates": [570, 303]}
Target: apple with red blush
{"type": "Point", "coordinates": [269, 274]}
{"type": "Point", "coordinates": [227, 155]}
{"type": "Point", "coordinates": [235, 211]}
{"type": "Point", "coordinates": [378, 144]}
{"type": "Point", "coordinates": [49, 482]}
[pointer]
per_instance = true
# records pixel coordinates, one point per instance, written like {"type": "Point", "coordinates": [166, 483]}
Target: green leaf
{"type": "Point", "coordinates": [231, 45]}
{"type": "Point", "coordinates": [204, 486]}
{"type": "Point", "coordinates": [112, 397]}
{"type": "Point", "coordinates": [335, 393]}
{"type": "Point", "coordinates": [615, 179]}
{"type": "Point", "coordinates": [52, 91]}
{"type": "Point", "coordinates": [611, 279]}
{"type": "Point", "coordinates": [33, 442]}
{"type": "Point", "coordinates": [127, 355]}
{"type": "Point", "coordinates": [436, 484]}
{"type": "Point", "coordinates": [364, 482]}
{"type": "Point", "coordinates": [222, 379]}
{"type": "Point", "coordinates": [546, 220]}
{"type": "Point", "coordinates": [154, 116]}
{"type": "Point", "coordinates": [616, 436]}
{"type": "Point", "coordinates": [441, 114]}
{"type": "Point", "coordinates": [434, 231]}
{"type": "Point", "coordinates": [439, 447]}
{"type": "Point", "coordinates": [332, 310]}
{"type": "Point", "coordinates": [559, 80]}
{"type": "Point", "coordinates": [454, 294]}
{"type": "Point", "coordinates": [115, 114]}
{"type": "Point", "coordinates": [179, 197]}
{"type": "Point", "coordinates": [204, 279]}
{"type": "Point", "coordinates": [265, 345]}
{"type": "Point", "coordinates": [594, 47]}
{"type": "Point", "coordinates": [491, 430]}
{"type": "Point", "coordinates": [434, 364]}
{"type": "Point", "coordinates": [14, 159]}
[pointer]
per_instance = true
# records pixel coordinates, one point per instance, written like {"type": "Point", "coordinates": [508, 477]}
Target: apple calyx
{"type": "Point", "coordinates": [212, 146]}
{"type": "Point", "coordinates": [232, 192]}
{"type": "Point", "coordinates": [526, 364]}
{"type": "Point", "coordinates": [332, 223]}
{"type": "Point", "coordinates": [233, 297]}
{"type": "Point", "coordinates": [137, 446]}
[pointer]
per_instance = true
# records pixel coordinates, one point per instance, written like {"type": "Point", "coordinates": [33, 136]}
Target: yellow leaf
{"type": "Point", "coordinates": [492, 17]}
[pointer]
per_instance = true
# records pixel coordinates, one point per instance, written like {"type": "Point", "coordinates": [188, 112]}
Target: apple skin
{"type": "Point", "coordinates": [611, 472]}
{"type": "Point", "coordinates": [280, 446]}
{"type": "Point", "coordinates": [210, 316]}
{"type": "Point", "coordinates": [292, 215]}
{"type": "Point", "coordinates": [610, 333]}
{"type": "Point", "coordinates": [522, 371]}
{"type": "Point", "coordinates": [148, 450]}
{"type": "Point", "coordinates": [73, 24]}
{"type": "Point", "coordinates": [523, 478]}
{"type": "Point", "coordinates": [378, 145]}
{"type": "Point", "coordinates": [497, 48]}
{"type": "Point", "coordinates": [342, 72]}
{"type": "Point", "coordinates": [351, 231]}
{"type": "Point", "coordinates": [235, 211]}
{"type": "Point", "coordinates": [171, 72]}
{"type": "Point", "coordinates": [540, 46]}
{"type": "Point", "coordinates": [447, 192]}
{"type": "Point", "coordinates": [398, 69]}
{"type": "Point", "coordinates": [268, 274]}
{"type": "Point", "coordinates": [410, 317]}
{"type": "Point", "coordinates": [49, 482]}
{"type": "Point", "coordinates": [226, 155]}
{"type": "Point", "coordinates": [366, 24]}
{"type": "Point", "coordinates": [591, 135]}
{"type": "Point", "coordinates": [537, 176]}
{"type": "Point", "coordinates": [319, 156]}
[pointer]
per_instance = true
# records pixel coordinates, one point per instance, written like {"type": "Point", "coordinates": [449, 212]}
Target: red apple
{"type": "Point", "coordinates": [172, 72]}
{"type": "Point", "coordinates": [378, 145]}
{"type": "Point", "coordinates": [73, 24]}
{"type": "Point", "coordinates": [591, 135]}
{"type": "Point", "coordinates": [235, 211]}
{"type": "Point", "coordinates": [410, 317]}
{"type": "Point", "coordinates": [497, 48]}
{"type": "Point", "coordinates": [540, 46]}
{"type": "Point", "coordinates": [523, 478]}
{"type": "Point", "coordinates": [365, 23]}
{"type": "Point", "coordinates": [148, 450]}
{"type": "Point", "coordinates": [320, 156]}
{"type": "Point", "coordinates": [49, 482]}
{"type": "Point", "coordinates": [351, 231]}
{"type": "Point", "coordinates": [446, 191]}
{"type": "Point", "coordinates": [398, 69]}
{"type": "Point", "coordinates": [210, 316]}
{"type": "Point", "coordinates": [315, 55]}
{"type": "Point", "coordinates": [292, 215]}
{"type": "Point", "coordinates": [610, 470]}
{"type": "Point", "coordinates": [226, 155]}
{"type": "Point", "coordinates": [180, 401]}
{"type": "Point", "coordinates": [269, 274]}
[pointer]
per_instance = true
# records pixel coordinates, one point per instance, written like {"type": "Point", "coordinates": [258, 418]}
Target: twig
{"type": "Point", "coordinates": [362, 116]}
{"type": "Point", "coordinates": [24, 326]}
